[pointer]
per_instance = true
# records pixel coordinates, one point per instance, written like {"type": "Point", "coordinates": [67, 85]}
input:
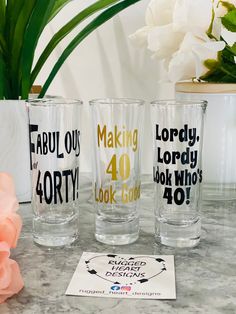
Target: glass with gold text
{"type": "Point", "coordinates": [117, 129]}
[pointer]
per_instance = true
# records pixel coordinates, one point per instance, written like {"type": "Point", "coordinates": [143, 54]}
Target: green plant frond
{"type": "Point", "coordinates": [60, 4]}
{"type": "Point", "coordinates": [2, 15]}
{"type": "Point", "coordinates": [36, 24]}
{"type": "Point", "coordinates": [66, 29]}
{"type": "Point", "coordinates": [4, 87]}
{"type": "Point", "coordinates": [2, 79]}
{"type": "Point", "coordinates": [3, 47]}
{"type": "Point", "coordinates": [13, 9]}
{"type": "Point", "coordinates": [17, 42]}
{"type": "Point", "coordinates": [98, 21]}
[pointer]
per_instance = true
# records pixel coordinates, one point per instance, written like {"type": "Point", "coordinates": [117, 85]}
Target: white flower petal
{"type": "Point", "coordinates": [216, 31]}
{"type": "Point", "coordinates": [140, 36]}
{"type": "Point", "coordinates": [164, 41]}
{"type": "Point", "coordinates": [228, 36]}
{"type": "Point", "coordinates": [190, 15]}
{"type": "Point", "coordinates": [181, 67]}
{"type": "Point", "coordinates": [196, 52]}
{"type": "Point", "coordinates": [160, 12]}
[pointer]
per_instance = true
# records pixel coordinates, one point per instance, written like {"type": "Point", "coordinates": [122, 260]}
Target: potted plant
{"type": "Point", "coordinates": [197, 42]}
{"type": "Point", "coordinates": [21, 24]}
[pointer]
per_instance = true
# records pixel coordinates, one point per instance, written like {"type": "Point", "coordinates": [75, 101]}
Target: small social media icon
{"type": "Point", "coordinates": [115, 288]}
{"type": "Point", "coordinates": [125, 288]}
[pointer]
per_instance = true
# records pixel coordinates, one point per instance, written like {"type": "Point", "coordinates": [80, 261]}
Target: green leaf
{"type": "Point", "coordinates": [233, 49]}
{"type": "Point", "coordinates": [13, 10]}
{"type": "Point", "coordinates": [36, 24]}
{"type": "Point", "coordinates": [57, 8]}
{"type": "Point", "coordinates": [65, 30]}
{"type": "Point", "coordinates": [3, 47]}
{"type": "Point", "coordinates": [229, 21]}
{"type": "Point", "coordinates": [227, 5]}
{"type": "Point", "coordinates": [229, 70]}
{"type": "Point", "coordinates": [211, 64]}
{"type": "Point", "coordinates": [17, 43]}
{"type": "Point", "coordinates": [4, 88]}
{"type": "Point", "coordinates": [222, 72]}
{"type": "Point", "coordinates": [98, 21]}
{"type": "Point", "coordinates": [2, 66]}
{"type": "Point", "coordinates": [2, 15]}
{"type": "Point", "coordinates": [227, 56]}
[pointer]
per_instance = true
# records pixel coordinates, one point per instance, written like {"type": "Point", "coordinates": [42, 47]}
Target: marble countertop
{"type": "Point", "coordinates": [205, 275]}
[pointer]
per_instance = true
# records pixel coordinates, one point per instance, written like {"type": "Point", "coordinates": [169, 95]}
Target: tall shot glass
{"type": "Point", "coordinates": [177, 172]}
{"type": "Point", "coordinates": [54, 127]}
{"type": "Point", "coordinates": [117, 128]}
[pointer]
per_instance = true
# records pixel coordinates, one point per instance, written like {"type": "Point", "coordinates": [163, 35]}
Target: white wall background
{"type": "Point", "coordinates": [106, 64]}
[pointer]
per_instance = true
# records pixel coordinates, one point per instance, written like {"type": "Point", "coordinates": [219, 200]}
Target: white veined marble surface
{"type": "Point", "coordinates": [205, 275]}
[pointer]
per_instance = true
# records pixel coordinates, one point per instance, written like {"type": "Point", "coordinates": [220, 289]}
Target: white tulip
{"type": "Point", "coordinates": [188, 62]}
{"type": "Point", "coordinates": [192, 16]}
{"type": "Point", "coordinates": [160, 12]}
{"type": "Point", "coordinates": [176, 32]}
{"type": "Point", "coordinates": [164, 41]}
{"type": "Point", "coordinates": [140, 36]}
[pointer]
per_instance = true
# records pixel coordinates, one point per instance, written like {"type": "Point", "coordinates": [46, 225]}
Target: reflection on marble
{"type": "Point", "coordinates": [205, 275]}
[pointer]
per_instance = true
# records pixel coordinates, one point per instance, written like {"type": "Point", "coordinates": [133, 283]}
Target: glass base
{"type": "Point", "coordinates": [55, 234]}
{"type": "Point", "coordinates": [180, 236]}
{"type": "Point", "coordinates": [116, 232]}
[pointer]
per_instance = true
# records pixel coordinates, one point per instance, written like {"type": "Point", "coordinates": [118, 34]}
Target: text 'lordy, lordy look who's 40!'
{"type": "Point", "coordinates": [184, 152]}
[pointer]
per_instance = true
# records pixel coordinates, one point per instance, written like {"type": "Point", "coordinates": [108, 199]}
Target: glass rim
{"type": "Point", "coordinates": [50, 102]}
{"type": "Point", "coordinates": [117, 101]}
{"type": "Point", "coordinates": [180, 103]}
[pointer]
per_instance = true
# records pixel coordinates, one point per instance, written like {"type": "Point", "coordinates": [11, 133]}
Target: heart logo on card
{"type": "Point", "coordinates": [125, 270]}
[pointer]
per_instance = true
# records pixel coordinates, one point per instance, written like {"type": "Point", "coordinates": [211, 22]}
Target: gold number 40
{"type": "Point", "coordinates": [124, 167]}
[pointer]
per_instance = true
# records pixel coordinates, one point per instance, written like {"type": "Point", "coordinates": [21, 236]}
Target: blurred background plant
{"type": "Point", "coordinates": [21, 24]}
{"type": "Point", "coordinates": [195, 39]}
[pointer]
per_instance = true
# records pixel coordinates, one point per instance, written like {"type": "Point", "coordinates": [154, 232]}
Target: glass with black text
{"type": "Point", "coordinates": [117, 144]}
{"type": "Point", "coordinates": [177, 171]}
{"type": "Point", "coordinates": [54, 128]}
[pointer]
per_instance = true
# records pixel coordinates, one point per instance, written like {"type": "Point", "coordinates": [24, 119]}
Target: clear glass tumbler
{"type": "Point", "coordinates": [54, 128]}
{"type": "Point", "coordinates": [177, 170]}
{"type": "Point", "coordinates": [117, 129]}
{"type": "Point", "coordinates": [219, 152]}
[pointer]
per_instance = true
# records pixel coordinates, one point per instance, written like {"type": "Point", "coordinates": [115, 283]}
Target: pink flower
{"type": "Point", "coordinates": [10, 226]}
{"type": "Point", "coordinates": [8, 200]}
{"type": "Point", "coordinates": [11, 281]}
{"type": "Point", "coordinates": [10, 222]}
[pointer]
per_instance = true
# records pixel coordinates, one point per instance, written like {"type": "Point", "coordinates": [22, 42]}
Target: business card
{"type": "Point", "coordinates": [124, 276]}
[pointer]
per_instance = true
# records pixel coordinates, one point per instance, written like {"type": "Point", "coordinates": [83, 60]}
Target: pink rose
{"type": "Point", "coordinates": [8, 200]}
{"type": "Point", "coordinates": [11, 281]}
{"type": "Point", "coordinates": [10, 227]}
{"type": "Point", "coordinates": [10, 222]}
